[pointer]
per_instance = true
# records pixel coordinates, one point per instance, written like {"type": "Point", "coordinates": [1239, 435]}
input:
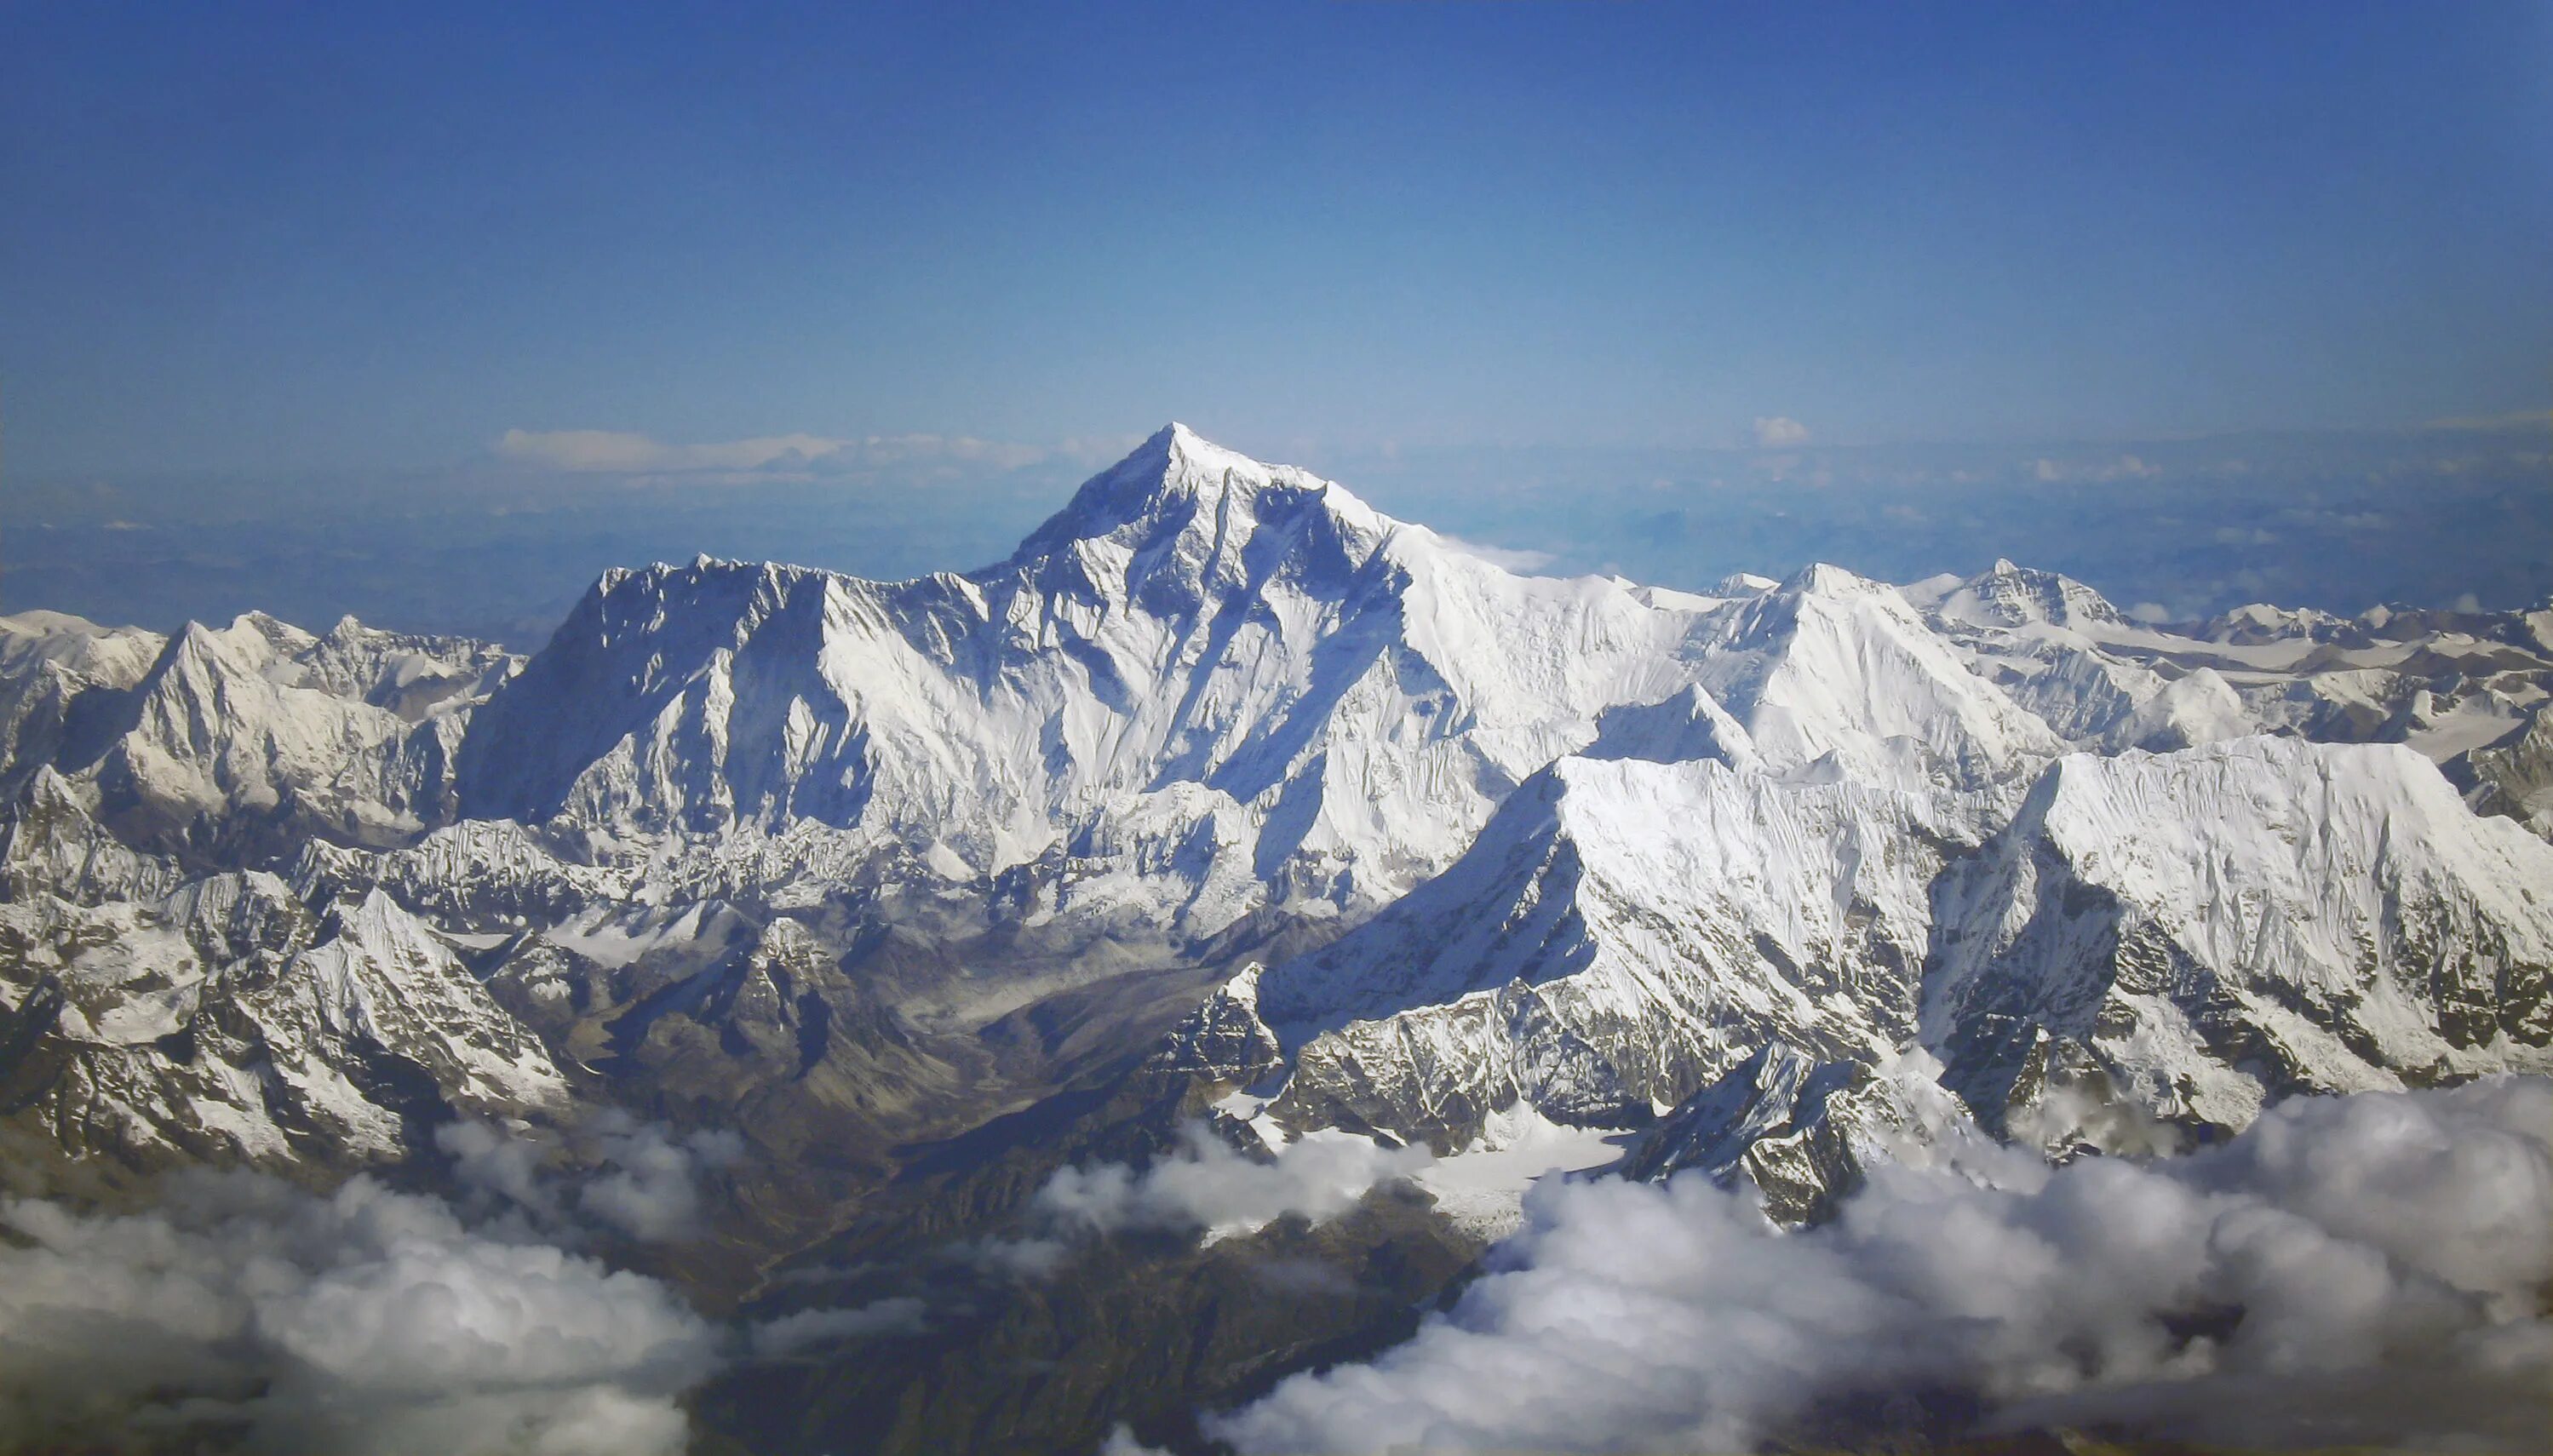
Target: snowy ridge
{"type": "Point", "coordinates": [2211, 928]}
{"type": "Point", "coordinates": [243, 739]}
{"type": "Point", "coordinates": [1836, 670]}
{"type": "Point", "coordinates": [1620, 935]}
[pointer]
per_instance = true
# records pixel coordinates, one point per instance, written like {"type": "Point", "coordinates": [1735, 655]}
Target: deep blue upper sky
{"type": "Point", "coordinates": [431, 313]}
{"type": "Point", "coordinates": [250, 238]}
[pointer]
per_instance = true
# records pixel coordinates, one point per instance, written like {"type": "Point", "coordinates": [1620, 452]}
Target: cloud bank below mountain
{"type": "Point", "coordinates": [2361, 1269]}
{"type": "Point", "coordinates": [368, 1323]}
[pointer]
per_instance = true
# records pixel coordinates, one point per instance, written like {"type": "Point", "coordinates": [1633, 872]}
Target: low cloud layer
{"type": "Point", "coordinates": [1208, 1186]}
{"type": "Point", "coordinates": [241, 1313]}
{"type": "Point", "coordinates": [2362, 1269]}
{"type": "Point", "coordinates": [367, 1322]}
{"type": "Point", "coordinates": [640, 1181]}
{"type": "Point", "coordinates": [1205, 1187]}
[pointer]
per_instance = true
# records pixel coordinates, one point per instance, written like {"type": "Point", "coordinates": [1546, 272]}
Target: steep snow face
{"type": "Point", "coordinates": [2514, 777]}
{"type": "Point", "coordinates": [251, 736]}
{"type": "Point", "coordinates": [1834, 671]}
{"type": "Point", "coordinates": [2207, 929]}
{"type": "Point", "coordinates": [1205, 686]}
{"type": "Point", "coordinates": [1351, 695]}
{"type": "Point", "coordinates": [48, 659]}
{"type": "Point", "coordinates": [116, 658]}
{"type": "Point", "coordinates": [50, 846]}
{"type": "Point", "coordinates": [2061, 651]}
{"type": "Point", "coordinates": [1622, 934]}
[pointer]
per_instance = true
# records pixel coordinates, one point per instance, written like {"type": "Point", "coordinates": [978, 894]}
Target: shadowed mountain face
{"type": "Point", "coordinates": [1228, 802]}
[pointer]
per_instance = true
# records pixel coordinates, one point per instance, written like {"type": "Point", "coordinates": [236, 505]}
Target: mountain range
{"type": "Point", "coordinates": [1229, 790]}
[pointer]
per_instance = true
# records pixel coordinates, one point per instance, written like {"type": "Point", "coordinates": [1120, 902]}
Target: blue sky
{"type": "Point", "coordinates": [332, 255]}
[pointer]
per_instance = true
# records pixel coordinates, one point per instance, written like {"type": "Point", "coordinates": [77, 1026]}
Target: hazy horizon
{"type": "Point", "coordinates": [2180, 528]}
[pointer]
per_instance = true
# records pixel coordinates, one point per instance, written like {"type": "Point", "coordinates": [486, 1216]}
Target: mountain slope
{"type": "Point", "coordinates": [2212, 927]}
{"type": "Point", "coordinates": [1620, 935]}
{"type": "Point", "coordinates": [245, 740]}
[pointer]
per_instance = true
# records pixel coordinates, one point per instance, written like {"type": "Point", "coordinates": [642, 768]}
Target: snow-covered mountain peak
{"type": "Point", "coordinates": [1822, 579]}
{"type": "Point", "coordinates": [1178, 482]}
{"type": "Point", "coordinates": [2258, 622]}
{"type": "Point", "coordinates": [1833, 665]}
{"type": "Point", "coordinates": [2010, 595]}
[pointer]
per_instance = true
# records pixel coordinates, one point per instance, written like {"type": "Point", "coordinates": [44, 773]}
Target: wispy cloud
{"type": "Point", "coordinates": [2516, 419]}
{"type": "Point", "coordinates": [629, 453]}
{"type": "Point", "coordinates": [763, 457]}
{"type": "Point", "coordinates": [1505, 558]}
{"type": "Point", "coordinates": [902, 1316]}
{"type": "Point", "coordinates": [2049, 471]}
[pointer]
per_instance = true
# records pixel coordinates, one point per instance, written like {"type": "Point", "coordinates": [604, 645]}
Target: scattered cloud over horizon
{"type": "Point", "coordinates": [2121, 467]}
{"type": "Point", "coordinates": [1779, 432]}
{"type": "Point", "coordinates": [2364, 1270]}
{"type": "Point", "coordinates": [1505, 558]}
{"type": "Point", "coordinates": [2335, 520]}
{"type": "Point", "coordinates": [768, 456]}
{"type": "Point", "coordinates": [2514, 419]}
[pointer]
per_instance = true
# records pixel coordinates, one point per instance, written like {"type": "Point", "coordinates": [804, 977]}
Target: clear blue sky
{"type": "Point", "coordinates": [252, 238]}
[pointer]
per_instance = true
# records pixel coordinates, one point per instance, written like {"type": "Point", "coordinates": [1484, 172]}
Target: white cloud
{"type": "Point", "coordinates": [1208, 1186]}
{"type": "Point", "coordinates": [1204, 1186]}
{"type": "Point", "coordinates": [366, 1321]}
{"type": "Point", "coordinates": [2351, 1271]}
{"type": "Point", "coordinates": [1122, 1442]}
{"type": "Point", "coordinates": [650, 1186]}
{"type": "Point", "coordinates": [1525, 562]}
{"type": "Point", "coordinates": [1779, 432]}
{"type": "Point", "coordinates": [2153, 613]}
{"type": "Point", "coordinates": [636, 1178]}
{"type": "Point", "coordinates": [2103, 471]}
{"type": "Point", "coordinates": [624, 453]}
